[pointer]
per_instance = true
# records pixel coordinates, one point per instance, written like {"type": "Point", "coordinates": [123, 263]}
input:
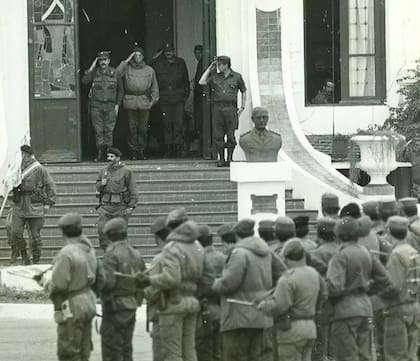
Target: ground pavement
{"type": "Point", "coordinates": [27, 333]}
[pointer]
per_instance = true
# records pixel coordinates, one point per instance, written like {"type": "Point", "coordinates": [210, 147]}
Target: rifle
{"type": "Point", "coordinates": [38, 277]}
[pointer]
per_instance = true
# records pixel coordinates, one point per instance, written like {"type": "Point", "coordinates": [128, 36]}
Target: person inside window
{"type": "Point", "coordinates": [325, 94]}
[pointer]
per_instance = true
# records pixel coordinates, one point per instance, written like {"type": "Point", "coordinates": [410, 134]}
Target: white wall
{"type": "Point", "coordinates": [14, 80]}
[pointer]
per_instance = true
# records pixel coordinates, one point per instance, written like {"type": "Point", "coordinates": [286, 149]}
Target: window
{"type": "Point", "coordinates": [344, 52]}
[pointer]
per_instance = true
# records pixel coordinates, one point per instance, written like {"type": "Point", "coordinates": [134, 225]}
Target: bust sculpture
{"type": "Point", "coordinates": [260, 144]}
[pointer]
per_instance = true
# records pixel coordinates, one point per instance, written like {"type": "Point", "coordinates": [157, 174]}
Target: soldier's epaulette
{"type": "Point", "coordinates": [111, 72]}
{"type": "Point", "coordinates": [245, 133]}
{"type": "Point", "coordinates": [272, 131]}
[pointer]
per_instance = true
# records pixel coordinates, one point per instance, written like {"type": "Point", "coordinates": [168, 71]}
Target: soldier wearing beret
{"type": "Point", "coordinates": [247, 275]}
{"type": "Point", "coordinates": [117, 193]}
{"type": "Point", "coordinates": [105, 97]}
{"type": "Point", "coordinates": [31, 200]}
{"type": "Point", "coordinates": [350, 210]}
{"type": "Point", "coordinates": [297, 297]}
{"type": "Point", "coordinates": [326, 249]}
{"type": "Point", "coordinates": [208, 338]}
{"type": "Point", "coordinates": [349, 277]}
{"type": "Point", "coordinates": [284, 229]}
{"type": "Point", "coordinates": [174, 87]}
{"type": "Point", "coordinates": [224, 85]}
{"type": "Point", "coordinates": [227, 237]}
{"type": "Point", "coordinates": [402, 310]}
{"type": "Point", "coordinates": [76, 276]}
{"type": "Point", "coordinates": [260, 144]}
{"type": "Point", "coordinates": [182, 269]}
{"type": "Point", "coordinates": [330, 205]}
{"type": "Point", "coordinates": [408, 208]}
{"type": "Point", "coordinates": [120, 295]}
{"type": "Point", "coordinates": [141, 92]}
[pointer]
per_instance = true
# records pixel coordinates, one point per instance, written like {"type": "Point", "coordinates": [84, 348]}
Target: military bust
{"type": "Point", "coordinates": [260, 144]}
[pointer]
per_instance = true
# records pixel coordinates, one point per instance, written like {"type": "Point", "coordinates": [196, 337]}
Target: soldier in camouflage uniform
{"type": "Point", "coordinates": [120, 295]}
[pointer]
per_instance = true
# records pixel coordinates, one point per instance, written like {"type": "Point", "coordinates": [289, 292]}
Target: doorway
{"type": "Point", "coordinates": [115, 26]}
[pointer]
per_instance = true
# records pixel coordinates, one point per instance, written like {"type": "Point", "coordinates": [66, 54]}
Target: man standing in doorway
{"type": "Point", "coordinates": [31, 200]}
{"type": "Point", "coordinates": [174, 86]}
{"type": "Point", "coordinates": [198, 95]}
{"type": "Point", "coordinates": [141, 92]}
{"type": "Point", "coordinates": [224, 85]}
{"type": "Point", "coordinates": [105, 98]}
{"type": "Point", "coordinates": [117, 193]}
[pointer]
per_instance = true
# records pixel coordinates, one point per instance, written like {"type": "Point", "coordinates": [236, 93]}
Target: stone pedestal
{"type": "Point", "coordinates": [261, 189]}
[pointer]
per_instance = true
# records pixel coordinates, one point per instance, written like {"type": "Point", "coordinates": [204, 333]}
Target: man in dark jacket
{"type": "Point", "coordinates": [247, 276]}
{"type": "Point", "coordinates": [117, 193]}
{"type": "Point", "coordinates": [181, 271]}
{"type": "Point", "coordinates": [174, 86]}
{"type": "Point", "coordinates": [120, 296]}
{"type": "Point", "coordinates": [208, 338]}
{"type": "Point", "coordinates": [30, 202]}
{"type": "Point", "coordinates": [349, 277]}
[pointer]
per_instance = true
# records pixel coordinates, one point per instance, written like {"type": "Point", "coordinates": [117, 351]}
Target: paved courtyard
{"type": "Point", "coordinates": [27, 333]}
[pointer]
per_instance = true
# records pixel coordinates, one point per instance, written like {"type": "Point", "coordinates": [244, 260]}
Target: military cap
{"type": "Point", "coordinates": [115, 151]}
{"type": "Point", "coordinates": [223, 59]}
{"type": "Point", "coordinates": [158, 225]}
{"type": "Point", "coordinates": [365, 225]}
{"type": "Point", "coordinates": [329, 200]}
{"type": "Point", "coordinates": [244, 227]}
{"type": "Point", "coordinates": [347, 226]}
{"type": "Point", "coordinates": [370, 207]}
{"type": "Point", "coordinates": [301, 221]}
{"type": "Point", "coordinates": [27, 149]}
{"type": "Point", "coordinates": [136, 48]}
{"type": "Point", "coordinates": [266, 225]}
{"type": "Point", "coordinates": [351, 210]}
{"type": "Point", "coordinates": [397, 223]}
{"type": "Point", "coordinates": [168, 46]}
{"type": "Point", "coordinates": [293, 249]}
{"type": "Point", "coordinates": [117, 225]}
{"type": "Point", "coordinates": [204, 230]}
{"type": "Point", "coordinates": [178, 215]}
{"type": "Point", "coordinates": [225, 229]}
{"type": "Point", "coordinates": [70, 219]}
{"type": "Point", "coordinates": [408, 202]}
{"type": "Point", "coordinates": [284, 224]}
{"type": "Point", "coordinates": [326, 224]}
{"type": "Point", "coordinates": [388, 206]}
{"type": "Point", "coordinates": [198, 47]}
{"type": "Point", "coordinates": [104, 54]}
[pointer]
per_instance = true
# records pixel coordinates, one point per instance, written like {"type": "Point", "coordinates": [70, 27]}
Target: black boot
{"type": "Point", "coordinates": [99, 156]}
{"type": "Point", "coordinates": [14, 255]}
{"type": "Point", "coordinates": [133, 155]}
{"type": "Point", "coordinates": [25, 258]}
{"type": "Point", "coordinates": [104, 155]}
{"type": "Point", "coordinates": [221, 162]}
{"type": "Point", "coordinates": [230, 156]}
{"type": "Point", "coordinates": [141, 155]}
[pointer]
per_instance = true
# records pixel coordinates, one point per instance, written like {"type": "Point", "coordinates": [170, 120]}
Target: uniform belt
{"type": "Point", "coordinates": [224, 103]}
{"type": "Point", "coordinates": [136, 93]}
{"type": "Point", "coordinates": [399, 304]}
{"type": "Point", "coordinates": [72, 294]}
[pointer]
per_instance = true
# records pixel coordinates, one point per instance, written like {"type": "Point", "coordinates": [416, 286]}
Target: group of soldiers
{"type": "Point", "coordinates": [137, 87]}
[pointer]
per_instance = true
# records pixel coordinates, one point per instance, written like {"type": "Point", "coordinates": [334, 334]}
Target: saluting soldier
{"type": "Point", "coordinates": [224, 86]}
{"type": "Point", "coordinates": [117, 193]}
{"type": "Point", "coordinates": [105, 94]}
{"type": "Point", "coordinates": [260, 144]}
{"type": "Point", "coordinates": [120, 294]}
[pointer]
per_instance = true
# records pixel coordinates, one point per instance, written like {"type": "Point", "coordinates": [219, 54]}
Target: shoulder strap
{"type": "Point", "coordinates": [30, 169]}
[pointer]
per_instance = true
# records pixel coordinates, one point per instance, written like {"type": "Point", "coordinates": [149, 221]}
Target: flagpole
{"type": "Point", "coordinates": [3, 204]}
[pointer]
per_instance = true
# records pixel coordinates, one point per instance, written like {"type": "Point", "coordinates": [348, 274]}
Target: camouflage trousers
{"type": "Point", "coordinates": [74, 340]}
{"type": "Point", "coordinates": [105, 216]}
{"type": "Point", "coordinates": [225, 122]}
{"type": "Point", "coordinates": [103, 121]}
{"type": "Point", "coordinates": [208, 339]}
{"type": "Point", "coordinates": [117, 330]}
{"type": "Point", "coordinates": [243, 344]}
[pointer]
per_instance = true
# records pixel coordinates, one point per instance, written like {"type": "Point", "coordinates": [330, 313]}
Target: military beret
{"type": "Point", "coordinates": [301, 221]}
{"type": "Point", "coordinates": [223, 59]}
{"type": "Point", "coordinates": [365, 225]}
{"type": "Point", "coordinates": [168, 46]}
{"type": "Point", "coordinates": [326, 224]}
{"type": "Point", "coordinates": [351, 210]}
{"type": "Point", "coordinates": [408, 202]}
{"type": "Point", "coordinates": [266, 225]}
{"type": "Point", "coordinates": [388, 206]}
{"type": "Point", "coordinates": [284, 224]}
{"type": "Point", "coordinates": [329, 200]}
{"type": "Point", "coordinates": [178, 215]}
{"type": "Point", "coordinates": [293, 249]}
{"type": "Point", "coordinates": [204, 230]}
{"type": "Point", "coordinates": [27, 149]}
{"type": "Point", "coordinates": [397, 223]}
{"type": "Point", "coordinates": [116, 225]}
{"type": "Point", "coordinates": [244, 227]}
{"type": "Point", "coordinates": [347, 226]}
{"type": "Point", "coordinates": [70, 219]}
{"type": "Point", "coordinates": [115, 151]}
{"type": "Point", "coordinates": [158, 225]}
{"type": "Point", "coordinates": [104, 54]}
{"type": "Point", "coordinates": [370, 207]}
{"type": "Point", "coordinates": [198, 47]}
{"type": "Point", "coordinates": [226, 229]}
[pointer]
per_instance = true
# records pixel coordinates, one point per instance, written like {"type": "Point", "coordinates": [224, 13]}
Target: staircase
{"type": "Point", "coordinates": [204, 190]}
